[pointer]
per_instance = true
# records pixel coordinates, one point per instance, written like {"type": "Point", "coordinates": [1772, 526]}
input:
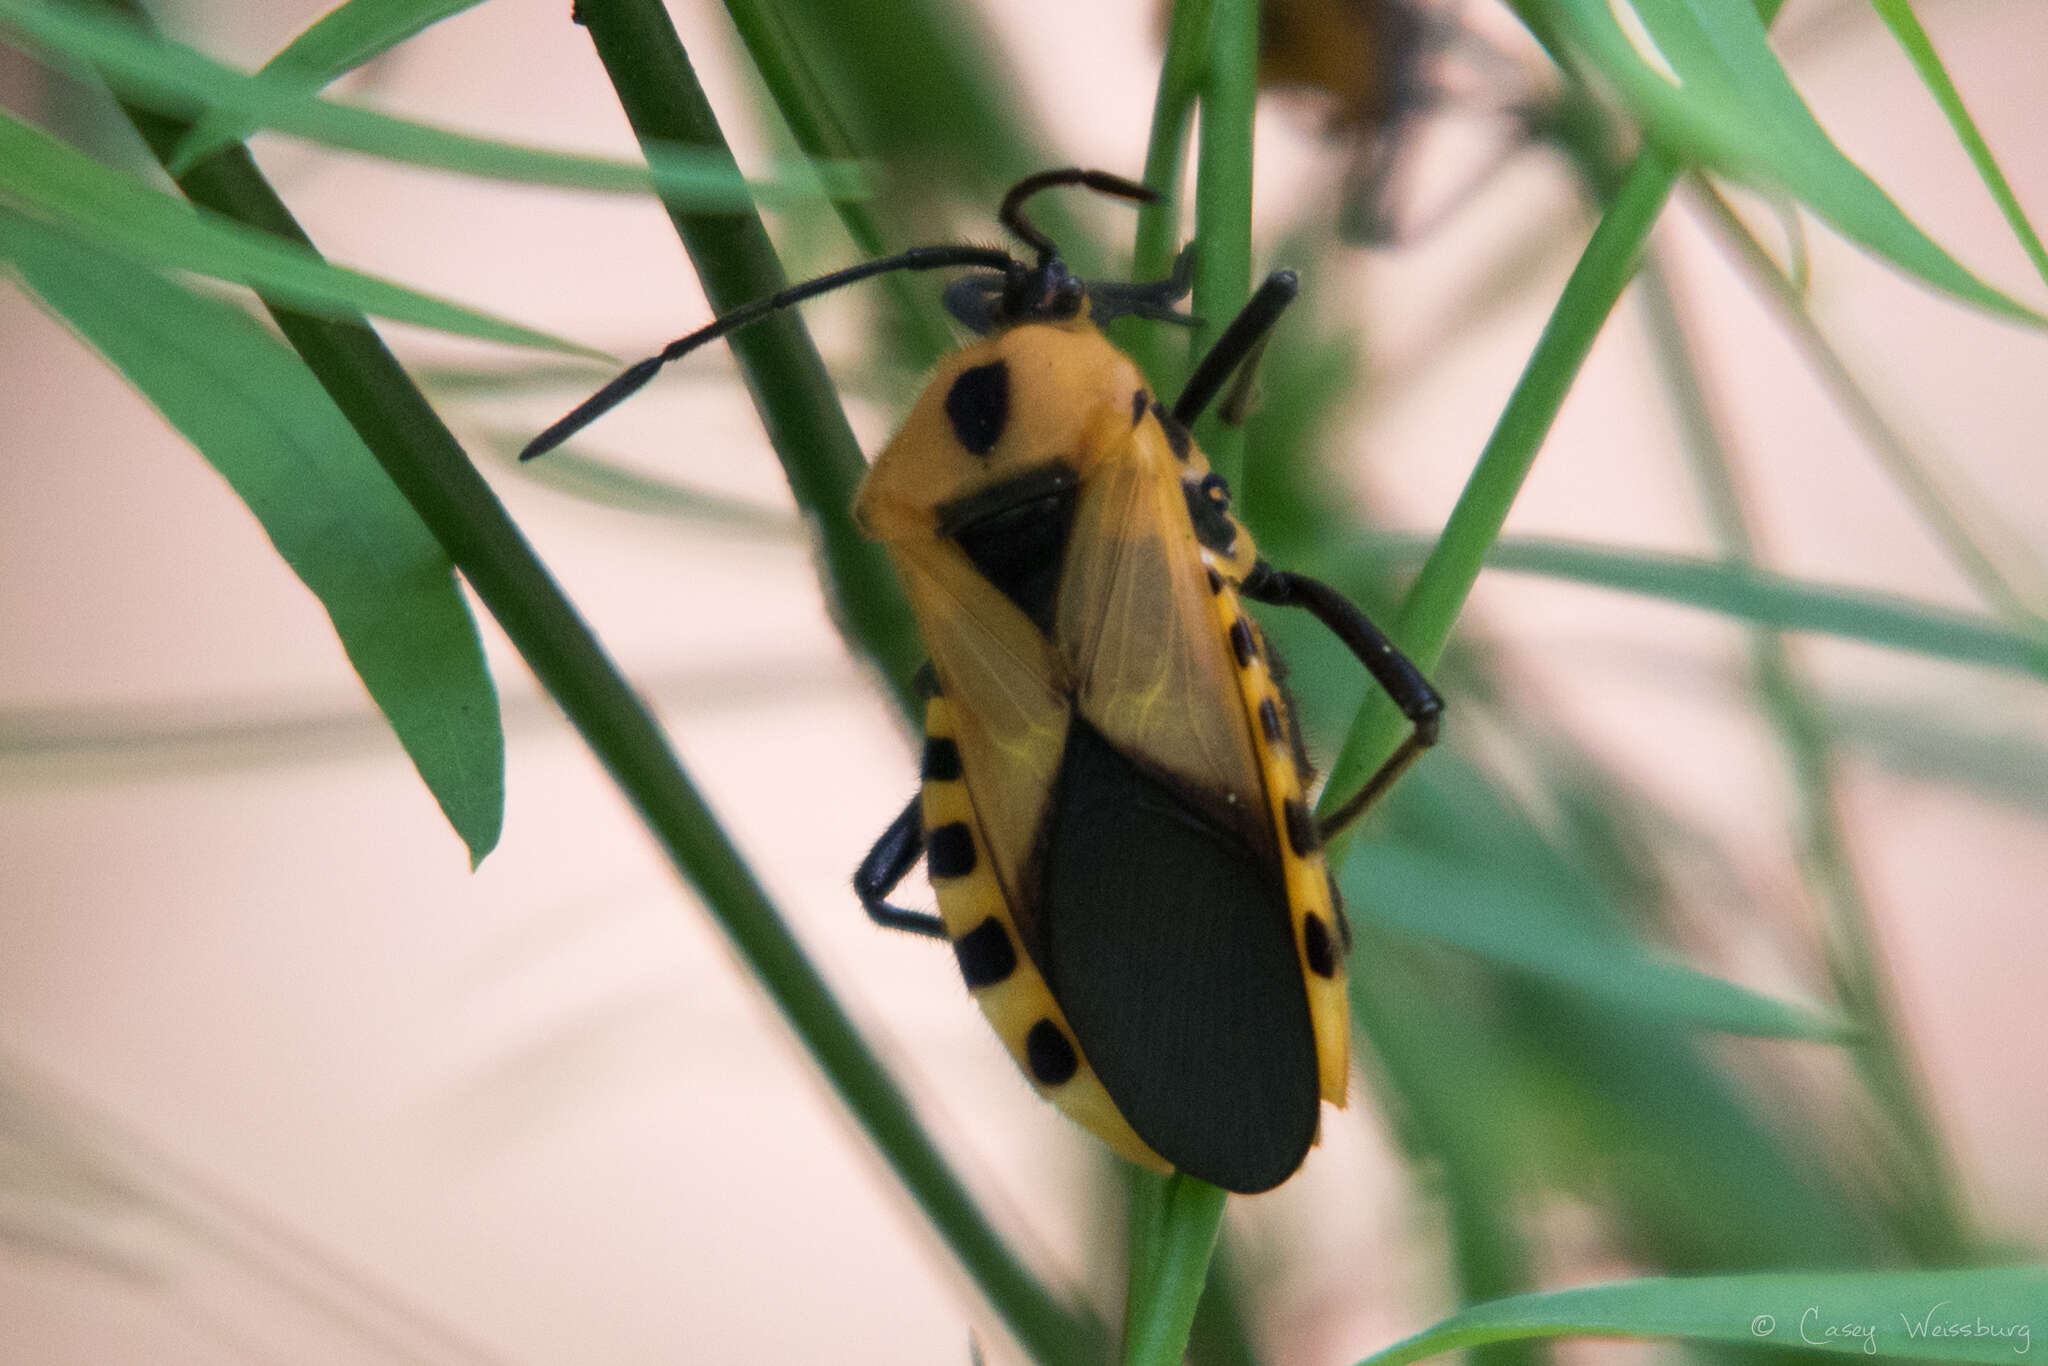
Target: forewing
{"type": "Point", "coordinates": [1138, 634]}
{"type": "Point", "coordinates": [998, 672]}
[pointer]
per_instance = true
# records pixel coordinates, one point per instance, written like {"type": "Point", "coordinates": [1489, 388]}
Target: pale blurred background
{"type": "Point", "coordinates": [281, 1080]}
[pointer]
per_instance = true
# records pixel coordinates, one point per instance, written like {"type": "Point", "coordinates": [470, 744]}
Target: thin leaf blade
{"type": "Point", "coordinates": [339, 41]}
{"type": "Point", "coordinates": [1714, 93]}
{"type": "Point", "coordinates": [1512, 923]}
{"type": "Point", "coordinates": [58, 185]}
{"type": "Point", "coordinates": [1986, 1314]}
{"type": "Point", "coordinates": [260, 419]}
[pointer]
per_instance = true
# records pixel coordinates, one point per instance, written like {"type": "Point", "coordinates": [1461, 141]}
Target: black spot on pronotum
{"type": "Point", "coordinates": [1178, 439]}
{"type": "Point", "coordinates": [1301, 828]}
{"type": "Point", "coordinates": [1140, 401]}
{"type": "Point", "coordinates": [1315, 941]}
{"type": "Point", "coordinates": [1269, 721]}
{"type": "Point", "coordinates": [1241, 643]}
{"type": "Point", "coordinates": [1053, 1059]}
{"type": "Point", "coordinates": [941, 760]}
{"type": "Point", "coordinates": [1215, 582]}
{"type": "Point", "coordinates": [949, 852]}
{"type": "Point", "coordinates": [986, 954]}
{"type": "Point", "coordinates": [978, 406]}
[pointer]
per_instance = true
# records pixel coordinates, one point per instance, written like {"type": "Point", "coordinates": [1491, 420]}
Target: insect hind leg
{"type": "Point", "coordinates": [886, 865]}
{"type": "Point", "coordinates": [1392, 670]}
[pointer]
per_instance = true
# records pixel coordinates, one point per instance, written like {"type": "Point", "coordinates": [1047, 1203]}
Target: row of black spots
{"type": "Point", "coordinates": [1140, 403]}
{"type": "Point", "coordinates": [1302, 836]}
{"type": "Point", "coordinates": [987, 954]}
{"type": "Point", "coordinates": [949, 850]}
{"type": "Point", "coordinates": [941, 760]}
{"type": "Point", "coordinates": [1316, 945]}
{"type": "Point", "coordinates": [1243, 643]}
{"type": "Point", "coordinates": [1051, 1054]}
{"type": "Point", "coordinates": [978, 406]}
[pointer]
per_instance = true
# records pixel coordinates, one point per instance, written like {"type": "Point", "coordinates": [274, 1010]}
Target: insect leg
{"type": "Point", "coordinates": [1391, 669]}
{"type": "Point", "coordinates": [892, 858]}
{"type": "Point", "coordinates": [1152, 300]}
{"type": "Point", "coordinates": [1240, 342]}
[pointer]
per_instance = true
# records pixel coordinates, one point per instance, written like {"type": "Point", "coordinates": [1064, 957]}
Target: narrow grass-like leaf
{"type": "Point", "coordinates": [1988, 1314]}
{"type": "Point", "coordinates": [1447, 576]}
{"type": "Point", "coordinates": [338, 42]}
{"type": "Point", "coordinates": [260, 419]}
{"type": "Point", "coordinates": [1905, 26]}
{"type": "Point", "coordinates": [180, 81]}
{"type": "Point", "coordinates": [1953, 744]}
{"type": "Point", "coordinates": [1929, 1215]}
{"type": "Point", "coordinates": [1728, 104]}
{"type": "Point", "coordinates": [434, 474]}
{"type": "Point", "coordinates": [598, 481]}
{"type": "Point", "coordinates": [1516, 924]}
{"type": "Point", "coordinates": [50, 181]}
{"type": "Point", "coordinates": [1981, 542]}
{"type": "Point", "coordinates": [1769, 599]}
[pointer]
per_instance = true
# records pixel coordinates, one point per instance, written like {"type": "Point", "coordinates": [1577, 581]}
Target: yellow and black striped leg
{"type": "Point", "coordinates": [1391, 669]}
{"type": "Point", "coordinates": [887, 864]}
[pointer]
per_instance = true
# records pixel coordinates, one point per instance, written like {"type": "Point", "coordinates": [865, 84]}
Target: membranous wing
{"type": "Point", "coordinates": [1167, 933]}
{"type": "Point", "coordinates": [997, 668]}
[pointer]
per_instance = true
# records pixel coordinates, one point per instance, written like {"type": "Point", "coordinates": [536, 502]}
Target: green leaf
{"type": "Point", "coordinates": [1728, 104]}
{"type": "Point", "coordinates": [1987, 1314]}
{"type": "Point", "coordinates": [65, 188]}
{"type": "Point", "coordinates": [341, 40]}
{"type": "Point", "coordinates": [1770, 600]}
{"type": "Point", "coordinates": [1905, 26]}
{"type": "Point", "coordinates": [262, 421]}
{"type": "Point", "coordinates": [1517, 923]}
{"type": "Point", "coordinates": [180, 81]}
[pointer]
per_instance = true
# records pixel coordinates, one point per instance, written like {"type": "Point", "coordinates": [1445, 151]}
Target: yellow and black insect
{"type": "Point", "coordinates": [1113, 809]}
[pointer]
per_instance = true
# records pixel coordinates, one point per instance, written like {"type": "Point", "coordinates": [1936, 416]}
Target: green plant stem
{"type": "Point", "coordinates": [1932, 1222]}
{"type": "Point", "coordinates": [799, 409]}
{"type": "Point", "coordinates": [1161, 1309]}
{"type": "Point", "coordinates": [1223, 199]}
{"type": "Point", "coordinates": [431, 470]}
{"type": "Point", "coordinates": [1936, 506]}
{"type": "Point", "coordinates": [1166, 154]}
{"type": "Point", "coordinates": [800, 98]}
{"type": "Point", "coordinates": [1446, 580]}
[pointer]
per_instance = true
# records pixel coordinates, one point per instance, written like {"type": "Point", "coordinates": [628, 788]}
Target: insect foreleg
{"type": "Point", "coordinates": [1240, 342]}
{"type": "Point", "coordinates": [1391, 669]}
{"type": "Point", "coordinates": [886, 865]}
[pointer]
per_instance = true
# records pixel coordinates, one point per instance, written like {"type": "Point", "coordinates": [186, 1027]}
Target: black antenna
{"type": "Point", "coordinates": [1011, 216]}
{"type": "Point", "coordinates": [636, 377]}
